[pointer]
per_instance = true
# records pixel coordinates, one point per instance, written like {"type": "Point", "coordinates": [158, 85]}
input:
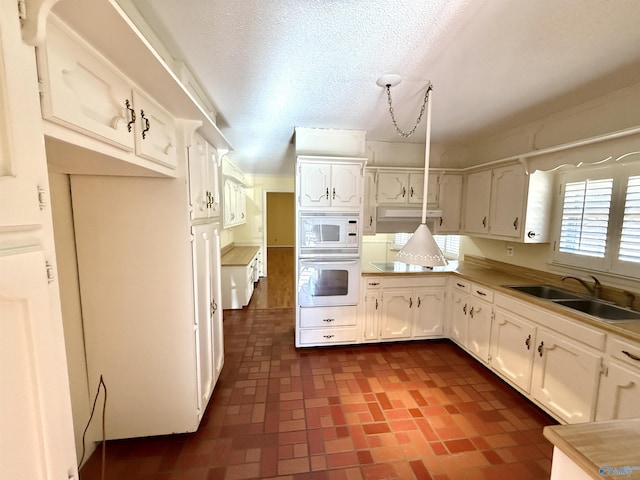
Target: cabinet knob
{"type": "Point", "coordinates": [411, 192]}
{"type": "Point", "coordinates": [464, 309]}
{"type": "Point", "coordinates": [328, 336]}
{"type": "Point", "coordinates": [404, 192]}
{"type": "Point", "coordinates": [471, 312]}
{"type": "Point", "coordinates": [527, 342]}
{"type": "Point", "coordinates": [334, 193]}
{"type": "Point", "coordinates": [515, 224]}
{"type": "Point", "coordinates": [410, 302]}
{"type": "Point", "coordinates": [370, 220]}
{"type": "Point", "coordinates": [328, 320]}
{"type": "Point", "coordinates": [531, 234]}
{"type": "Point", "coordinates": [484, 222]}
{"type": "Point", "coordinates": [376, 303]}
{"type": "Point", "coordinates": [541, 348]}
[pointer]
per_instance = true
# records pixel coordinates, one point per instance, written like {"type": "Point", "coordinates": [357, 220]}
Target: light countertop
{"type": "Point", "coordinates": [602, 449]}
{"type": "Point", "coordinates": [238, 256]}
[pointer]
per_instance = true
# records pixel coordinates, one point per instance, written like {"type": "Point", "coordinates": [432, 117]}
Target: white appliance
{"type": "Point", "coordinates": [329, 235]}
{"type": "Point", "coordinates": [324, 282]}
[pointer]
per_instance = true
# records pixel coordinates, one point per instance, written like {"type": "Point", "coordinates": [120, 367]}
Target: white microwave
{"type": "Point", "coordinates": [329, 235]}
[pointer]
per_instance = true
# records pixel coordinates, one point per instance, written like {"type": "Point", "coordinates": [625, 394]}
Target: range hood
{"type": "Point", "coordinates": [402, 219]}
{"type": "Point", "coordinates": [404, 213]}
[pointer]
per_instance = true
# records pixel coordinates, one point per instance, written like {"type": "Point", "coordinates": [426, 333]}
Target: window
{"type": "Point", "coordinates": [599, 219]}
{"type": "Point", "coordinates": [449, 244]}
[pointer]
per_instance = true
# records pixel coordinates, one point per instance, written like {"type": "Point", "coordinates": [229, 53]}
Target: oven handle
{"type": "Point", "coordinates": [330, 262]}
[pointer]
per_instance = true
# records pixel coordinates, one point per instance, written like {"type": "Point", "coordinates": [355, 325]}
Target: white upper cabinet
{"type": "Point", "coordinates": [450, 202]}
{"type": "Point", "coordinates": [477, 201]}
{"type": "Point", "coordinates": [84, 92]}
{"type": "Point", "coordinates": [508, 203]}
{"type": "Point", "coordinates": [155, 131]}
{"type": "Point", "coordinates": [403, 187]}
{"type": "Point", "coordinates": [330, 182]}
{"type": "Point", "coordinates": [204, 191]}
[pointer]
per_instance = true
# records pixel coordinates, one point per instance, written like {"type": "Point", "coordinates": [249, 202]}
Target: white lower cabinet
{"type": "Point", "coordinates": [619, 394]}
{"type": "Point", "coordinates": [512, 347]}
{"type": "Point", "coordinates": [238, 279]}
{"type": "Point", "coordinates": [565, 377]}
{"type": "Point", "coordinates": [459, 310]}
{"type": "Point", "coordinates": [327, 325]}
{"type": "Point", "coordinates": [479, 322]}
{"type": "Point", "coordinates": [403, 308]}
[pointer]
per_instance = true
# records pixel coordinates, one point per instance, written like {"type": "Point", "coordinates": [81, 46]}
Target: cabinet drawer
{"type": "Point", "coordinates": [626, 352]}
{"type": "Point", "coordinates": [459, 285]}
{"type": "Point", "coordinates": [328, 336]}
{"type": "Point", "coordinates": [484, 293]}
{"type": "Point", "coordinates": [316, 317]}
{"type": "Point", "coordinates": [413, 281]}
{"type": "Point", "coordinates": [372, 283]}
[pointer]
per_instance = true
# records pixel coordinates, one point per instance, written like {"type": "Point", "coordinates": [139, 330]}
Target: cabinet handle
{"type": "Point", "coordinates": [132, 114]}
{"type": "Point", "coordinates": [334, 193]}
{"type": "Point", "coordinates": [370, 220]}
{"type": "Point", "coordinates": [376, 303]}
{"type": "Point", "coordinates": [419, 302]}
{"type": "Point", "coordinates": [327, 194]}
{"type": "Point", "coordinates": [328, 320]}
{"type": "Point", "coordinates": [328, 336]}
{"type": "Point", "coordinates": [527, 342]}
{"type": "Point", "coordinates": [481, 293]}
{"type": "Point", "coordinates": [440, 221]}
{"type": "Point", "coordinates": [461, 285]}
{"type": "Point", "coordinates": [464, 309]}
{"type": "Point", "coordinates": [214, 307]}
{"type": "Point", "coordinates": [404, 192]}
{"type": "Point", "coordinates": [631, 355]}
{"type": "Point", "coordinates": [146, 123]}
{"type": "Point", "coordinates": [515, 224]}
{"type": "Point", "coordinates": [541, 348]}
{"type": "Point", "coordinates": [410, 302]}
{"type": "Point", "coordinates": [484, 222]}
{"type": "Point", "coordinates": [411, 192]}
{"type": "Point", "coordinates": [471, 312]}
{"type": "Point", "coordinates": [373, 284]}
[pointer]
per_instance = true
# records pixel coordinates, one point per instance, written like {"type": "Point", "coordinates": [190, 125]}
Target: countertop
{"type": "Point", "coordinates": [602, 449]}
{"type": "Point", "coordinates": [238, 256]}
{"type": "Point", "coordinates": [486, 274]}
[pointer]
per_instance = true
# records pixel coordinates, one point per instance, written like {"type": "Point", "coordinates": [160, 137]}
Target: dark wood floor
{"type": "Point", "coordinates": [413, 410]}
{"type": "Point", "coordinates": [276, 289]}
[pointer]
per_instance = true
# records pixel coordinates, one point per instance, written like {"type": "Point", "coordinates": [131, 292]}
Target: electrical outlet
{"type": "Point", "coordinates": [509, 251]}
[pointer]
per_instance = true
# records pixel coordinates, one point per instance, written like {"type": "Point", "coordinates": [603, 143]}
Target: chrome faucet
{"type": "Point", "coordinates": [594, 290]}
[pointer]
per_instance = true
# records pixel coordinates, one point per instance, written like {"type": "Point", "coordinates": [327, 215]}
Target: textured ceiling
{"type": "Point", "coordinates": [272, 65]}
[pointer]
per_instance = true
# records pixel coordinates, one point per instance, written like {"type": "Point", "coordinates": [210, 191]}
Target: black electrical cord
{"type": "Point", "coordinates": [102, 385]}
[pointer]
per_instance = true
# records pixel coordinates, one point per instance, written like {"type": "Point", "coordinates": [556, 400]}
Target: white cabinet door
{"type": "Point", "coordinates": [477, 201]}
{"type": "Point", "coordinates": [203, 264]}
{"type": "Point", "coordinates": [619, 395]}
{"type": "Point", "coordinates": [392, 188]}
{"type": "Point", "coordinates": [369, 209]}
{"type": "Point", "coordinates": [84, 91]}
{"type": "Point", "coordinates": [428, 316]}
{"type": "Point", "coordinates": [507, 201]}
{"type": "Point", "coordinates": [155, 131]}
{"type": "Point", "coordinates": [459, 317]}
{"type": "Point", "coordinates": [416, 189]}
{"type": "Point", "coordinates": [372, 309]}
{"type": "Point", "coordinates": [346, 185]}
{"type": "Point", "coordinates": [397, 311]}
{"type": "Point", "coordinates": [479, 329]}
{"type": "Point", "coordinates": [315, 184]}
{"type": "Point", "coordinates": [565, 377]}
{"type": "Point", "coordinates": [230, 203]}
{"type": "Point", "coordinates": [20, 148]}
{"type": "Point", "coordinates": [450, 202]}
{"type": "Point", "coordinates": [198, 191]}
{"type": "Point", "coordinates": [512, 347]}
{"type": "Point", "coordinates": [33, 443]}
{"type": "Point", "coordinates": [212, 181]}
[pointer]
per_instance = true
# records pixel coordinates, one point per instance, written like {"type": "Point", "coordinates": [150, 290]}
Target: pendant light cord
{"type": "Point", "coordinates": [393, 116]}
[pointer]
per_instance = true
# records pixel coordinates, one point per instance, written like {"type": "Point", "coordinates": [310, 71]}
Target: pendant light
{"type": "Point", "coordinates": [421, 249]}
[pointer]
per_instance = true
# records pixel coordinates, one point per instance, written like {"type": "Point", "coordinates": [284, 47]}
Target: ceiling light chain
{"type": "Point", "coordinates": [393, 117]}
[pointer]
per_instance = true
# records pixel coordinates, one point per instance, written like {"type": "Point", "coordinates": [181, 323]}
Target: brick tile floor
{"type": "Point", "coordinates": [414, 410]}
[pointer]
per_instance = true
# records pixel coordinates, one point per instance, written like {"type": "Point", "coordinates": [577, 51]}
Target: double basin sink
{"type": "Point", "coordinates": [591, 306]}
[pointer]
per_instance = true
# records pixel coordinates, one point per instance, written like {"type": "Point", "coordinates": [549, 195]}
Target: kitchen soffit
{"type": "Point", "coordinates": [270, 66]}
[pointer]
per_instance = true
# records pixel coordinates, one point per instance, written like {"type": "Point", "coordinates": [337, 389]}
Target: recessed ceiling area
{"type": "Point", "coordinates": [271, 66]}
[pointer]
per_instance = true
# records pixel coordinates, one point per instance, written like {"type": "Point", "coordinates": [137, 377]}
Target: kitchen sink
{"type": "Point", "coordinates": [545, 291]}
{"type": "Point", "coordinates": [600, 309]}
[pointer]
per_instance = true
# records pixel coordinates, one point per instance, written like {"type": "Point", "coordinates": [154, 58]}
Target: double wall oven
{"type": "Point", "coordinates": [329, 259]}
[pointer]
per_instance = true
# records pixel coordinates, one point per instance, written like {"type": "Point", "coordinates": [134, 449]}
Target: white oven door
{"type": "Point", "coordinates": [328, 282]}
